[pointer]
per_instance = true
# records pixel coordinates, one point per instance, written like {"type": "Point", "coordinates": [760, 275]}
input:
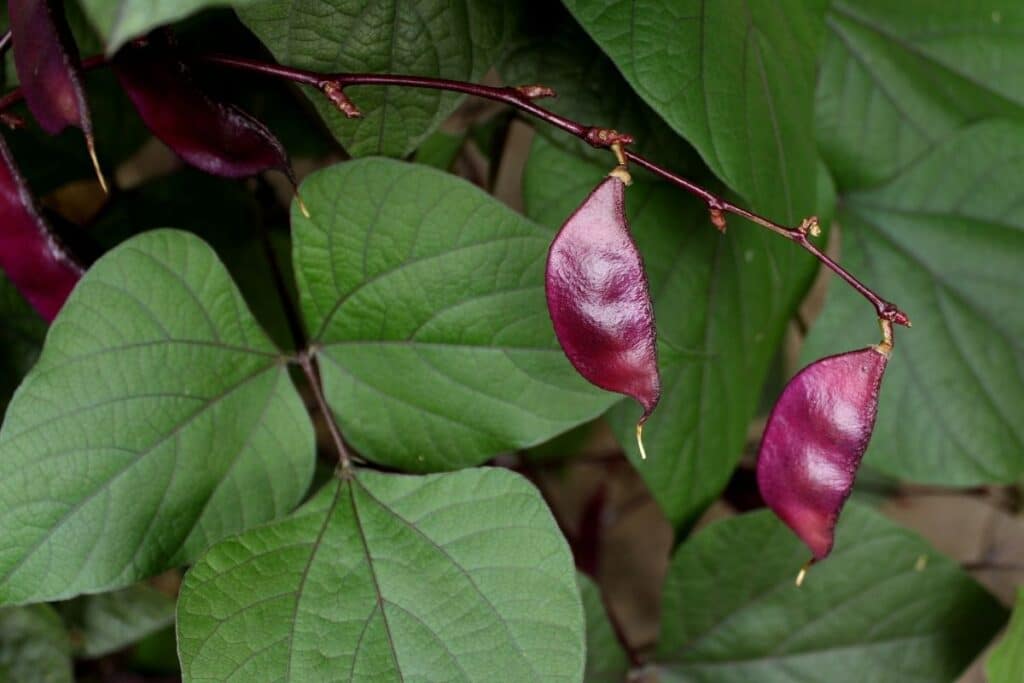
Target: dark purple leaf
{"type": "Point", "coordinates": [815, 439]}
{"type": "Point", "coordinates": [598, 298]}
{"type": "Point", "coordinates": [30, 254]}
{"type": "Point", "coordinates": [214, 136]}
{"type": "Point", "coordinates": [46, 59]}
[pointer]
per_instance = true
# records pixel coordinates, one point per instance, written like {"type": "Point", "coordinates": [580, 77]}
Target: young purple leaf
{"type": "Point", "coordinates": [599, 302]}
{"type": "Point", "coordinates": [30, 254]}
{"type": "Point", "coordinates": [46, 59]}
{"type": "Point", "coordinates": [815, 439]}
{"type": "Point", "coordinates": [212, 135]}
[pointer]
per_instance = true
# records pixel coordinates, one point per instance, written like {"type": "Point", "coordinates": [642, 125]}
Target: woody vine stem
{"type": "Point", "coordinates": [522, 98]}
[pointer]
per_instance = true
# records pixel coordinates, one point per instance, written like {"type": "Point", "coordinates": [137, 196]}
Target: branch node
{"type": "Point", "coordinates": [606, 137]}
{"type": "Point", "coordinates": [535, 91]}
{"type": "Point", "coordinates": [335, 92]}
{"type": "Point", "coordinates": [717, 219]}
{"type": "Point", "coordinates": [894, 315]}
{"type": "Point", "coordinates": [810, 225]}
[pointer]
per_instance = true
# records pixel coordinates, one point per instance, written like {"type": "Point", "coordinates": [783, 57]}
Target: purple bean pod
{"type": "Point", "coordinates": [46, 59]}
{"type": "Point", "coordinates": [30, 254]}
{"type": "Point", "coordinates": [815, 439]}
{"type": "Point", "coordinates": [599, 300]}
{"type": "Point", "coordinates": [214, 136]}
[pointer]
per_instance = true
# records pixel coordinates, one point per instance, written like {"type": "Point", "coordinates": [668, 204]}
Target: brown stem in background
{"type": "Point", "coordinates": [333, 86]}
{"type": "Point", "coordinates": [312, 373]}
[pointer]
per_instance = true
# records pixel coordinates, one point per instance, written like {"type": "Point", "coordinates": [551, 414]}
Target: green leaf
{"type": "Point", "coordinates": [108, 622]}
{"type": "Point", "coordinates": [871, 611]}
{"type": "Point", "coordinates": [34, 646]}
{"type": "Point", "coordinates": [943, 240]}
{"type": "Point", "coordinates": [607, 662]}
{"type": "Point", "coordinates": [721, 303]}
{"type": "Point", "coordinates": [118, 21]}
{"type": "Point", "coordinates": [158, 419]}
{"type": "Point", "coordinates": [425, 299]}
{"type": "Point", "coordinates": [429, 38]}
{"type": "Point", "coordinates": [735, 78]}
{"type": "Point", "coordinates": [1006, 663]}
{"type": "Point", "coordinates": [554, 51]}
{"type": "Point", "coordinates": [898, 78]}
{"type": "Point", "coordinates": [21, 336]}
{"type": "Point", "coordinates": [453, 577]}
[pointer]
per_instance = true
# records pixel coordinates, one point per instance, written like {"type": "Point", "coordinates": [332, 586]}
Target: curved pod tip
{"type": "Point", "coordinates": [814, 441]}
{"type": "Point", "coordinates": [302, 205]}
{"type": "Point", "coordinates": [802, 574]}
{"type": "Point", "coordinates": [90, 143]}
{"type": "Point", "coordinates": [599, 300]}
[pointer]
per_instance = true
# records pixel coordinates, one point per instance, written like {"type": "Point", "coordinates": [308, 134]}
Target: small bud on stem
{"type": "Point", "coordinates": [535, 91]}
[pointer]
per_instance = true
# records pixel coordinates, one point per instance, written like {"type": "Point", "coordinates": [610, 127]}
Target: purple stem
{"type": "Point", "coordinates": [521, 99]}
{"type": "Point", "coordinates": [333, 85]}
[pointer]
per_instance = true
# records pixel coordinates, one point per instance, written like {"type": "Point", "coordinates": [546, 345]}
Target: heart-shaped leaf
{"type": "Point", "coordinates": [425, 299]}
{"type": "Point", "coordinates": [721, 304]}
{"type": "Point", "coordinates": [158, 419]}
{"type": "Point", "coordinates": [34, 646]}
{"type": "Point", "coordinates": [898, 78]}
{"type": "Point", "coordinates": [884, 606]}
{"type": "Point", "coordinates": [735, 78]}
{"type": "Point", "coordinates": [427, 38]}
{"type": "Point", "coordinates": [943, 239]}
{"type": "Point", "coordinates": [460, 576]}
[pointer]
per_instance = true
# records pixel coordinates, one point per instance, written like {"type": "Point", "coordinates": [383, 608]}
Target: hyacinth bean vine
{"type": "Point", "coordinates": [176, 430]}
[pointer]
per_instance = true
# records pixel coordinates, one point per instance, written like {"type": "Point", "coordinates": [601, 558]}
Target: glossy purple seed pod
{"type": "Point", "coordinates": [46, 59]}
{"type": "Point", "coordinates": [599, 301]}
{"type": "Point", "coordinates": [815, 439]}
{"type": "Point", "coordinates": [30, 255]}
{"type": "Point", "coordinates": [214, 136]}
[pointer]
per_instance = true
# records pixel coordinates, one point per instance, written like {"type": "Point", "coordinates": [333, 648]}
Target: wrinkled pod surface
{"type": "Point", "coordinates": [815, 439]}
{"type": "Point", "coordinates": [599, 300]}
